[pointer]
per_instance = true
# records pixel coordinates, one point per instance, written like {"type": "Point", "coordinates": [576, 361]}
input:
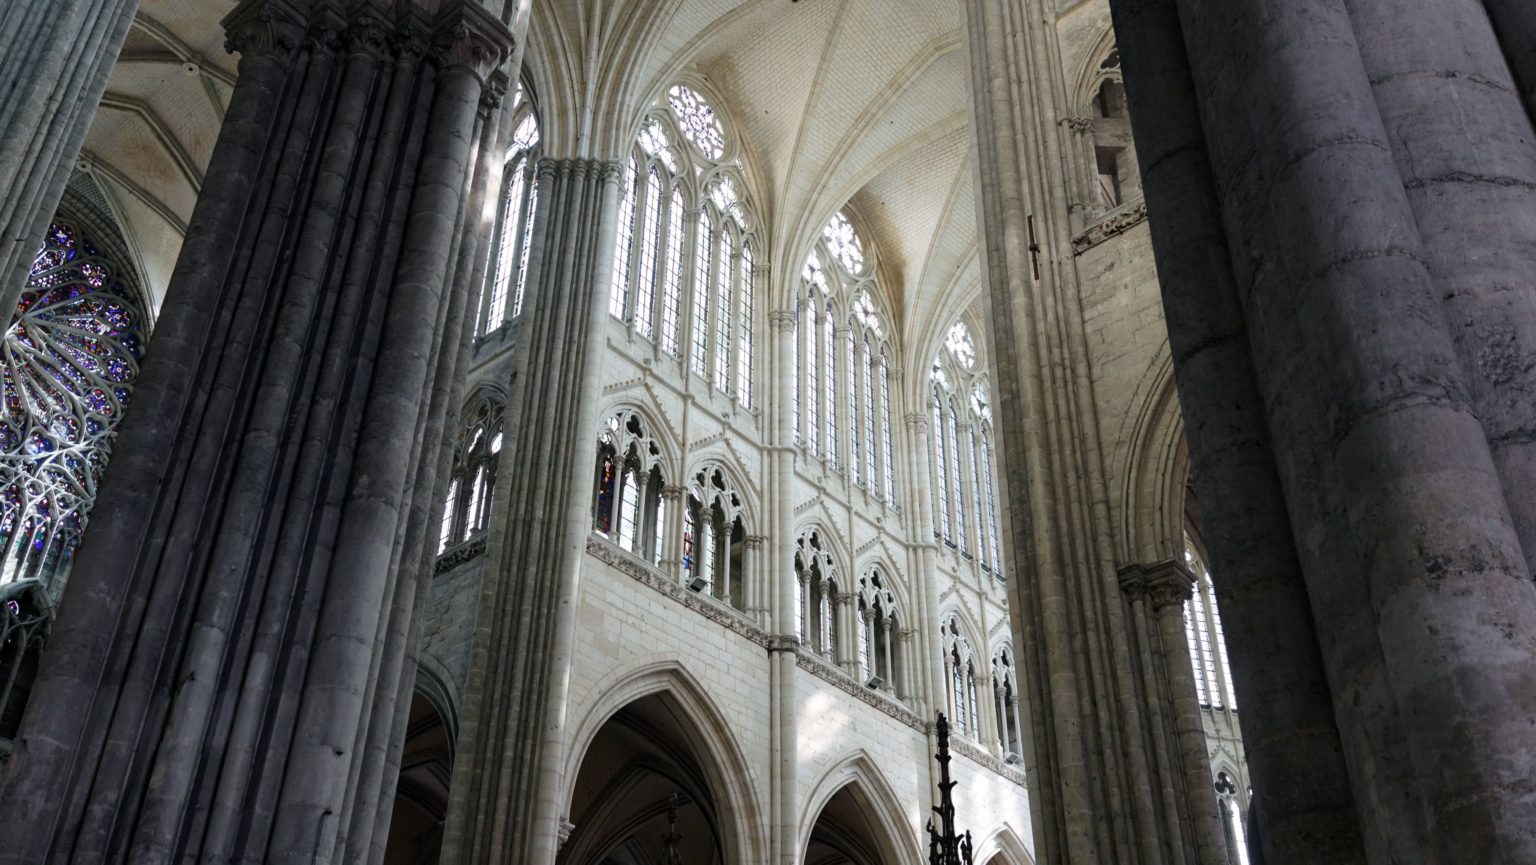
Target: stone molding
{"type": "Point", "coordinates": [987, 760]}
{"type": "Point", "coordinates": [805, 659]}
{"type": "Point", "coordinates": [454, 556]}
{"type": "Point", "coordinates": [1117, 222]}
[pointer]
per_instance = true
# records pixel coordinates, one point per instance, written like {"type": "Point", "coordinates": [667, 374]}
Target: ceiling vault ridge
{"type": "Point", "coordinates": [162, 133]}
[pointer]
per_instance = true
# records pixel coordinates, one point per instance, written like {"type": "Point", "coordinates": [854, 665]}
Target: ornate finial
{"type": "Point", "coordinates": [669, 839]}
{"type": "Point", "coordinates": [944, 846]}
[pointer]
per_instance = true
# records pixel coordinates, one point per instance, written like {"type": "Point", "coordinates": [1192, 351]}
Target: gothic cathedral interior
{"type": "Point", "coordinates": [647, 432]}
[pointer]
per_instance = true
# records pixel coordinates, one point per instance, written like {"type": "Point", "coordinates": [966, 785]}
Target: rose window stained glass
{"type": "Point", "coordinates": [961, 345]}
{"type": "Point", "coordinates": [844, 243]}
{"type": "Point", "coordinates": [71, 355]}
{"type": "Point", "coordinates": [698, 120]}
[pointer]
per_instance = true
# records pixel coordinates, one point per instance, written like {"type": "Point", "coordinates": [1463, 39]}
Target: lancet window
{"type": "Point", "coordinates": [960, 679]}
{"type": "Point", "coordinates": [815, 592]}
{"type": "Point", "coordinates": [683, 262]}
{"type": "Point", "coordinates": [965, 487]}
{"type": "Point", "coordinates": [1005, 689]}
{"type": "Point", "coordinates": [1233, 823]}
{"type": "Point", "coordinates": [467, 506]}
{"type": "Point", "coordinates": [1207, 643]}
{"type": "Point", "coordinates": [71, 356]}
{"type": "Point", "coordinates": [842, 390]}
{"type": "Point", "coordinates": [878, 627]}
{"type": "Point", "coordinates": [507, 270]}
{"type": "Point", "coordinates": [627, 504]}
{"type": "Point", "coordinates": [715, 538]}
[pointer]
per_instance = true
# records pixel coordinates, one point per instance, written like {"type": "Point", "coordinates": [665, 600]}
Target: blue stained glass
{"type": "Point", "coordinates": [72, 352]}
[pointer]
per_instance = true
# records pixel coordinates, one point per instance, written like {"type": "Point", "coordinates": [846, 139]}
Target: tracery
{"type": "Point", "coordinates": [715, 538]}
{"type": "Point", "coordinates": [878, 627]}
{"type": "Point", "coordinates": [965, 488]}
{"type": "Point", "coordinates": [960, 678]}
{"type": "Point", "coordinates": [628, 508]}
{"type": "Point", "coordinates": [815, 590]}
{"type": "Point", "coordinates": [71, 355]}
{"type": "Point", "coordinates": [683, 262]}
{"type": "Point", "coordinates": [842, 390]}
{"type": "Point", "coordinates": [467, 505]}
{"type": "Point", "coordinates": [512, 235]}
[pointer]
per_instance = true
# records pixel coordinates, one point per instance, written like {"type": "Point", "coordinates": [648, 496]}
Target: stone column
{"type": "Point", "coordinates": [1168, 588]}
{"type": "Point", "coordinates": [675, 498]}
{"type": "Point", "coordinates": [1466, 150]}
{"type": "Point", "coordinates": [844, 613]}
{"type": "Point", "coordinates": [300, 368]}
{"type": "Point", "coordinates": [783, 794]}
{"type": "Point", "coordinates": [1293, 746]}
{"type": "Point", "coordinates": [928, 672]}
{"type": "Point", "coordinates": [1133, 582]}
{"type": "Point", "coordinates": [1378, 416]}
{"type": "Point", "coordinates": [55, 60]}
{"type": "Point", "coordinates": [1090, 743]}
{"type": "Point", "coordinates": [505, 800]}
{"type": "Point", "coordinates": [757, 581]}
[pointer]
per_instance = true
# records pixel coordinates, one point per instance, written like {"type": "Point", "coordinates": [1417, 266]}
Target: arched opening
{"type": "Point", "coordinates": [845, 833]}
{"type": "Point", "coordinates": [421, 798]}
{"type": "Point", "coordinates": [642, 795]}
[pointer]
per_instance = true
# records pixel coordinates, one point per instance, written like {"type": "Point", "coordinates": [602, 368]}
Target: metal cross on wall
{"type": "Point", "coordinates": [944, 846]}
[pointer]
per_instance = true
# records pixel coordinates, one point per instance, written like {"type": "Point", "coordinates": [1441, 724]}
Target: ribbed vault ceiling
{"type": "Point", "coordinates": [835, 101]}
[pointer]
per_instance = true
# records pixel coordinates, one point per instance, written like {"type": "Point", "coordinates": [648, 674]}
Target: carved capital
{"type": "Point", "coordinates": [368, 35]}
{"type": "Point", "coordinates": [782, 319]}
{"type": "Point", "coordinates": [843, 599]}
{"type": "Point", "coordinates": [467, 38]}
{"type": "Point", "coordinates": [1169, 584]}
{"type": "Point", "coordinates": [756, 542]}
{"type": "Point", "coordinates": [673, 493]}
{"type": "Point", "coordinates": [259, 27]}
{"type": "Point", "coordinates": [491, 96]}
{"type": "Point", "coordinates": [905, 635]}
{"type": "Point", "coordinates": [917, 422]}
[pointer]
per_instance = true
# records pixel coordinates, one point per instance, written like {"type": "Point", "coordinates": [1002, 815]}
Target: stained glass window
{"type": "Point", "coordinates": [467, 508]}
{"type": "Point", "coordinates": [71, 356]}
{"type": "Point", "coordinates": [688, 269]}
{"type": "Point", "coordinates": [618, 295]}
{"type": "Point", "coordinates": [744, 326]}
{"type": "Point", "coordinates": [700, 126]}
{"type": "Point", "coordinates": [650, 255]}
{"type": "Point", "coordinates": [844, 243]}
{"type": "Point", "coordinates": [628, 507]}
{"type": "Point", "coordinates": [966, 498]}
{"type": "Point", "coordinates": [706, 246]}
{"type": "Point", "coordinates": [1207, 642]}
{"type": "Point", "coordinates": [723, 276]}
{"type": "Point", "coordinates": [672, 300]}
{"type": "Point", "coordinates": [836, 284]}
{"type": "Point", "coordinates": [960, 345]}
{"type": "Point", "coordinates": [507, 275]}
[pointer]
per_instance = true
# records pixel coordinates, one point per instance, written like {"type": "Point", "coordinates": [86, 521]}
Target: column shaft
{"type": "Point", "coordinates": [54, 66]}
{"type": "Point", "coordinates": [308, 331]}
{"type": "Point", "coordinates": [505, 790]}
{"type": "Point", "coordinates": [1293, 747]}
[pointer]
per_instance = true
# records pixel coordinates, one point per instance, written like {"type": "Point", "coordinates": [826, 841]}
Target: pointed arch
{"type": "Point", "coordinates": [1154, 471]}
{"type": "Point", "coordinates": [719, 752]}
{"type": "Point", "coordinates": [858, 773]}
{"type": "Point", "coordinates": [1006, 842]}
